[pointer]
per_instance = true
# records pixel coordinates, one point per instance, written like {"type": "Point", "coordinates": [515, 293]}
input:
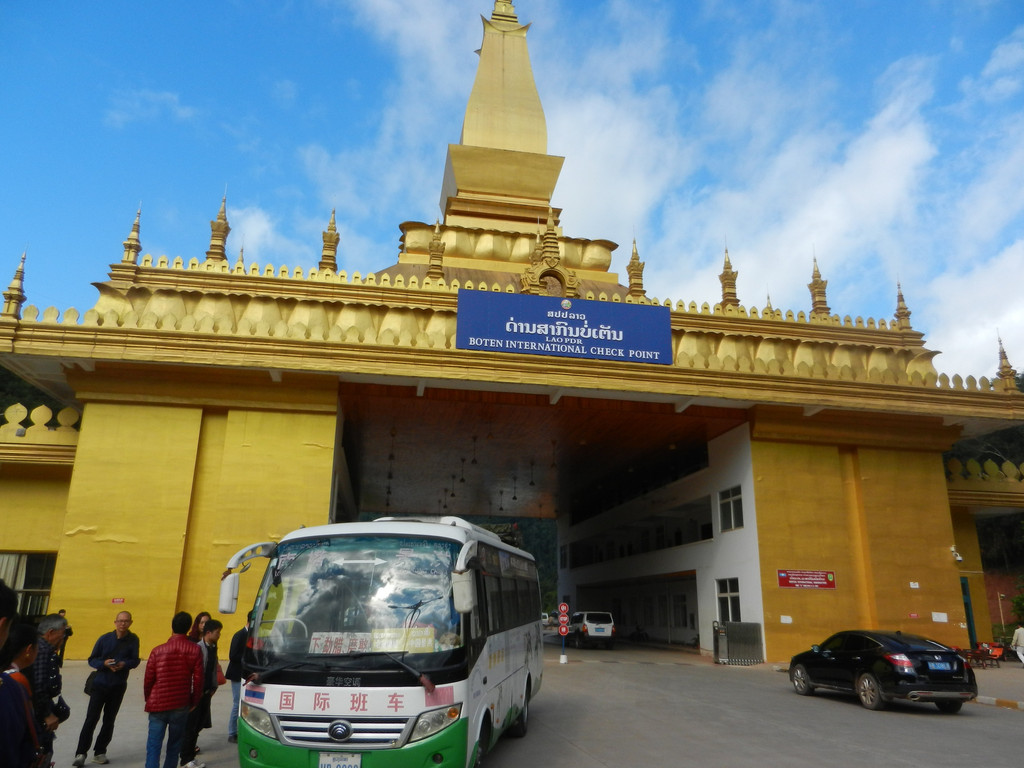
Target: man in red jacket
{"type": "Point", "coordinates": [173, 685]}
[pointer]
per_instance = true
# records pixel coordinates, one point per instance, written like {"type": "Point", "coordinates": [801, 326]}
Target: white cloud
{"type": "Point", "coordinates": [144, 106]}
{"type": "Point", "coordinates": [969, 306]}
{"type": "Point", "coordinates": [260, 234]}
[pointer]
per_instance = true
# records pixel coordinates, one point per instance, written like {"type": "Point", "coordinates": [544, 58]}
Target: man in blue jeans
{"type": "Point", "coordinates": [113, 656]}
{"type": "Point", "coordinates": [173, 686]}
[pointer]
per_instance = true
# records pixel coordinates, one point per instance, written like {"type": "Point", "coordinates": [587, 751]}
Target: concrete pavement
{"type": "Point", "coordinates": [1000, 687]}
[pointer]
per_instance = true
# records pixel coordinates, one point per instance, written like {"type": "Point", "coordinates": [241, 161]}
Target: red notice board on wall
{"type": "Point", "coordinates": [807, 579]}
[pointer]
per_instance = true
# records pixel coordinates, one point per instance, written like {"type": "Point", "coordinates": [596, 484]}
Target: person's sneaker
{"type": "Point", "coordinates": [194, 764]}
{"type": "Point", "coordinates": [101, 758]}
{"type": "Point", "coordinates": [79, 761]}
{"type": "Point", "coordinates": [233, 738]}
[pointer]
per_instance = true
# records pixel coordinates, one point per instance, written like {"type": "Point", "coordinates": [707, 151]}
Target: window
{"type": "Point", "coordinates": [729, 600]}
{"type": "Point", "coordinates": [31, 576]}
{"type": "Point", "coordinates": [679, 610]}
{"type": "Point", "coordinates": [730, 508]}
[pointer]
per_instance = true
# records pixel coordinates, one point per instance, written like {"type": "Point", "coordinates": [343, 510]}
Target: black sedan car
{"type": "Point", "coordinates": [882, 666]}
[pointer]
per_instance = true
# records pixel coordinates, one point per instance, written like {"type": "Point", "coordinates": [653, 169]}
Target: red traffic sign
{"type": "Point", "coordinates": [563, 630]}
{"type": "Point", "coordinates": [563, 619]}
{"type": "Point", "coordinates": [563, 607]}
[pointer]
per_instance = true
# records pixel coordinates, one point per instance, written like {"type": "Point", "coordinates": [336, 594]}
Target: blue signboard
{"type": "Point", "coordinates": [549, 325]}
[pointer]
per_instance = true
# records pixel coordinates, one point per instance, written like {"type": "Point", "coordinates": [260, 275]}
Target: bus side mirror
{"type": "Point", "coordinates": [464, 591]}
{"type": "Point", "coordinates": [228, 594]}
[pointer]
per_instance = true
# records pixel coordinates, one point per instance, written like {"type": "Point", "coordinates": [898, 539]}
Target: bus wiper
{"type": "Point", "coordinates": [425, 681]}
{"type": "Point", "coordinates": [258, 678]}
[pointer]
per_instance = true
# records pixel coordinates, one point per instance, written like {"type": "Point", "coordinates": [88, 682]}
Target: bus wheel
{"type": "Point", "coordinates": [518, 727]}
{"type": "Point", "coordinates": [483, 741]}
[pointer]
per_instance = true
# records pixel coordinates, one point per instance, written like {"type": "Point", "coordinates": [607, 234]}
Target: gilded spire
{"type": "Point", "coordinates": [435, 269]}
{"type": "Point", "coordinates": [329, 254]}
{"type": "Point", "coordinates": [1007, 375]}
{"type": "Point", "coordinates": [14, 296]}
{"type": "Point", "coordinates": [219, 231]}
{"type": "Point", "coordinates": [504, 109]}
{"type": "Point", "coordinates": [240, 264]}
{"type": "Point", "coordinates": [902, 312]}
{"type": "Point", "coordinates": [635, 270]}
{"type": "Point", "coordinates": [819, 305]}
{"type": "Point", "coordinates": [132, 246]}
{"type": "Point", "coordinates": [728, 280]}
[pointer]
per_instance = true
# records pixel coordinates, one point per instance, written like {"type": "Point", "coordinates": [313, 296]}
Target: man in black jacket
{"type": "Point", "coordinates": [113, 656]}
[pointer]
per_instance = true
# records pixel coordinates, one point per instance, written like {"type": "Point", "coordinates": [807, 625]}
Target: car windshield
{"type": "Point", "coordinates": [599, 618]}
{"type": "Point", "coordinates": [353, 596]}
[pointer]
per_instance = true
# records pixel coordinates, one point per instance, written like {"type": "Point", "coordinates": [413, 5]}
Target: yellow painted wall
{"type": "Point", "coordinates": [32, 503]}
{"type": "Point", "coordinates": [879, 518]}
{"type": "Point", "coordinates": [965, 530]}
{"type": "Point", "coordinates": [127, 516]}
{"type": "Point", "coordinates": [162, 496]}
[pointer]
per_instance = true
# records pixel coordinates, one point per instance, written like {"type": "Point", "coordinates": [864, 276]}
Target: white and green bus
{"type": "Point", "coordinates": [398, 642]}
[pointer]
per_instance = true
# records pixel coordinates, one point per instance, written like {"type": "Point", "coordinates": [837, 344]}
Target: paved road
{"type": "Point", "coordinates": [641, 706]}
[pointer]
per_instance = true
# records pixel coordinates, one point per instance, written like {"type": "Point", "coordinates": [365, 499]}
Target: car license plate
{"type": "Point", "coordinates": [940, 666]}
{"type": "Point", "coordinates": [598, 630]}
{"type": "Point", "coordinates": [340, 760]}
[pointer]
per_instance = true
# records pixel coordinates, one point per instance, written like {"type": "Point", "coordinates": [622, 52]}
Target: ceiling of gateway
{"type": "Point", "coordinates": [471, 452]}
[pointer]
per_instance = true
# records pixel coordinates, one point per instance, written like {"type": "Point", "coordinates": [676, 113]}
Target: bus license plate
{"type": "Point", "coordinates": [939, 666]}
{"type": "Point", "coordinates": [340, 760]}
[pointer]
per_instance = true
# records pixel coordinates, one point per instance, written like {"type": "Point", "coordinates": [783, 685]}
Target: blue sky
{"type": "Point", "coordinates": [885, 139]}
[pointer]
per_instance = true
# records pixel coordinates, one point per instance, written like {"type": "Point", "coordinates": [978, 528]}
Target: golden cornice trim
{"type": "Point", "coordinates": [35, 453]}
{"type": "Point", "coordinates": [884, 431]}
{"type": "Point", "coordinates": [992, 496]}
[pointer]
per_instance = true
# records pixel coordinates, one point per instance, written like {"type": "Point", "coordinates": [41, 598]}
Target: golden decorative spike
{"type": "Point", "coordinates": [902, 313]}
{"type": "Point", "coordinates": [504, 11]}
{"type": "Point", "coordinates": [435, 269]}
{"type": "Point", "coordinates": [132, 246]}
{"type": "Point", "coordinates": [329, 254]}
{"type": "Point", "coordinates": [728, 280]}
{"type": "Point", "coordinates": [1007, 374]}
{"type": "Point", "coordinates": [14, 296]}
{"type": "Point", "coordinates": [635, 270]}
{"type": "Point", "coordinates": [819, 305]}
{"type": "Point", "coordinates": [219, 231]}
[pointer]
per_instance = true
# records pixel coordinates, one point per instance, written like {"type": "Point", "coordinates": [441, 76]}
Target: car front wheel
{"type": "Point", "coordinates": [869, 692]}
{"type": "Point", "coordinates": [801, 680]}
{"type": "Point", "coordinates": [949, 706]}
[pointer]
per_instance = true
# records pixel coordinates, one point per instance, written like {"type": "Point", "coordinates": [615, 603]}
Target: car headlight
{"type": "Point", "coordinates": [433, 721]}
{"type": "Point", "coordinates": [257, 719]}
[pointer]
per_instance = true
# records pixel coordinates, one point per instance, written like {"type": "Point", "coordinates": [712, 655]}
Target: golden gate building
{"type": "Point", "coordinates": [780, 468]}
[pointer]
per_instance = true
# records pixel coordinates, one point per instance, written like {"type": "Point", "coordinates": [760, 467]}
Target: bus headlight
{"type": "Point", "coordinates": [435, 720]}
{"type": "Point", "coordinates": [257, 719]}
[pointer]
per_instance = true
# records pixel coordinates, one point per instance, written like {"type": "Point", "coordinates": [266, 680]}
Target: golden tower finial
{"type": "Point", "coordinates": [728, 280]}
{"type": "Point", "coordinates": [14, 296]}
{"type": "Point", "coordinates": [329, 254]}
{"type": "Point", "coordinates": [435, 270]}
{"type": "Point", "coordinates": [1007, 375]}
{"type": "Point", "coordinates": [819, 305]}
{"type": "Point", "coordinates": [635, 270]}
{"type": "Point", "coordinates": [132, 246]}
{"type": "Point", "coordinates": [219, 231]}
{"type": "Point", "coordinates": [902, 312]}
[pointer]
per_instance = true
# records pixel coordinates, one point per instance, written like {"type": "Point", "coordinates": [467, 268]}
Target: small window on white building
{"type": "Point", "coordinates": [729, 600]}
{"type": "Point", "coordinates": [730, 508]}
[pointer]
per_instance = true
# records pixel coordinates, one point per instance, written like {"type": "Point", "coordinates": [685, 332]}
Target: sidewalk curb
{"type": "Point", "coordinates": [992, 701]}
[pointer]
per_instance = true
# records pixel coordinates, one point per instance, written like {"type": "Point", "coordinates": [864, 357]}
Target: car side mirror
{"type": "Point", "coordinates": [816, 648]}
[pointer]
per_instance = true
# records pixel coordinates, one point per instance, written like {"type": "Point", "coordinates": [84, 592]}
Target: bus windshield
{"type": "Point", "coordinates": [352, 596]}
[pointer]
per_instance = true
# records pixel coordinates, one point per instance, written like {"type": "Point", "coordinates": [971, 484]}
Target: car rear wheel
{"type": "Point", "coordinates": [801, 680]}
{"type": "Point", "coordinates": [577, 640]}
{"type": "Point", "coordinates": [949, 706]}
{"type": "Point", "coordinates": [870, 692]}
